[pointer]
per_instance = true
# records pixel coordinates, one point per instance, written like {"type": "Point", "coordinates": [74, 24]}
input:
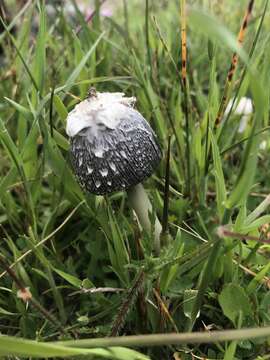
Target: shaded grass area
{"type": "Point", "coordinates": [90, 270]}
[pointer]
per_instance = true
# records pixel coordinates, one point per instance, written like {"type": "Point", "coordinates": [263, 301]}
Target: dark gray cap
{"type": "Point", "coordinates": [112, 146]}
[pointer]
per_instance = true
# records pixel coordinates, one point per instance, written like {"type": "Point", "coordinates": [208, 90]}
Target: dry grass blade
{"type": "Point", "coordinates": [265, 280]}
{"type": "Point", "coordinates": [234, 63]}
{"type": "Point", "coordinates": [184, 42]}
{"type": "Point", "coordinates": [165, 310]}
{"type": "Point", "coordinates": [223, 232]}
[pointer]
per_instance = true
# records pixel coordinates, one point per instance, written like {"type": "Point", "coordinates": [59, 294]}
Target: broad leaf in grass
{"type": "Point", "coordinates": [233, 301]}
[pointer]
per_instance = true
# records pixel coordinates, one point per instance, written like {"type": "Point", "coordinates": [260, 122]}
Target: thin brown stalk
{"type": "Point", "coordinates": [184, 42]}
{"type": "Point", "coordinates": [265, 280]}
{"type": "Point", "coordinates": [234, 63]}
{"type": "Point", "coordinates": [223, 232]}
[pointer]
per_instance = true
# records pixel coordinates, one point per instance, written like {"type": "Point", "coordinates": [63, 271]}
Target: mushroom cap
{"type": "Point", "coordinates": [112, 146]}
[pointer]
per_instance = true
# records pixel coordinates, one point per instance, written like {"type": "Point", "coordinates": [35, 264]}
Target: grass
{"type": "Point", "coordinates": [75, 268]}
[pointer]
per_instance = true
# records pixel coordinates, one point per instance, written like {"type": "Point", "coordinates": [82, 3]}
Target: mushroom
{"type": "Point", "coordinates": [113, 148]}
{"type": "Point", "coordinates": [243, 108]}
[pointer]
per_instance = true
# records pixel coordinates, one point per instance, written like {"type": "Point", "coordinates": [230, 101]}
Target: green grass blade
{"type": "Point", "coordinates": [20, 56]}
{"type": "Point", "coordinates": [219, 176]}
{"type": "Point", "coordinates": [76, 72]}
{"type": "Point", "coordinates": [39, 66]}
{"type": "Point", "coordinates": [27, 348]}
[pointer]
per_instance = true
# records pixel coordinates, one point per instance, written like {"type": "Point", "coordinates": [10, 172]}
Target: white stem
{"type": "Point", "coordinates": [140, 203]}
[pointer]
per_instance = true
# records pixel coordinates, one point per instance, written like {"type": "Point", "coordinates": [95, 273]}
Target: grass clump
{"type": "Point", "coordinates": [76, 266]}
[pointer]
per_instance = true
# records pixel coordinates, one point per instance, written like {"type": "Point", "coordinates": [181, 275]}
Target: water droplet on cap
{"type": "Point", "coordinates": [98, 184]}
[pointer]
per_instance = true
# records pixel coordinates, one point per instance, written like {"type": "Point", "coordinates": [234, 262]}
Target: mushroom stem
{"type": "Point", "coordinates": [142, 206]}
